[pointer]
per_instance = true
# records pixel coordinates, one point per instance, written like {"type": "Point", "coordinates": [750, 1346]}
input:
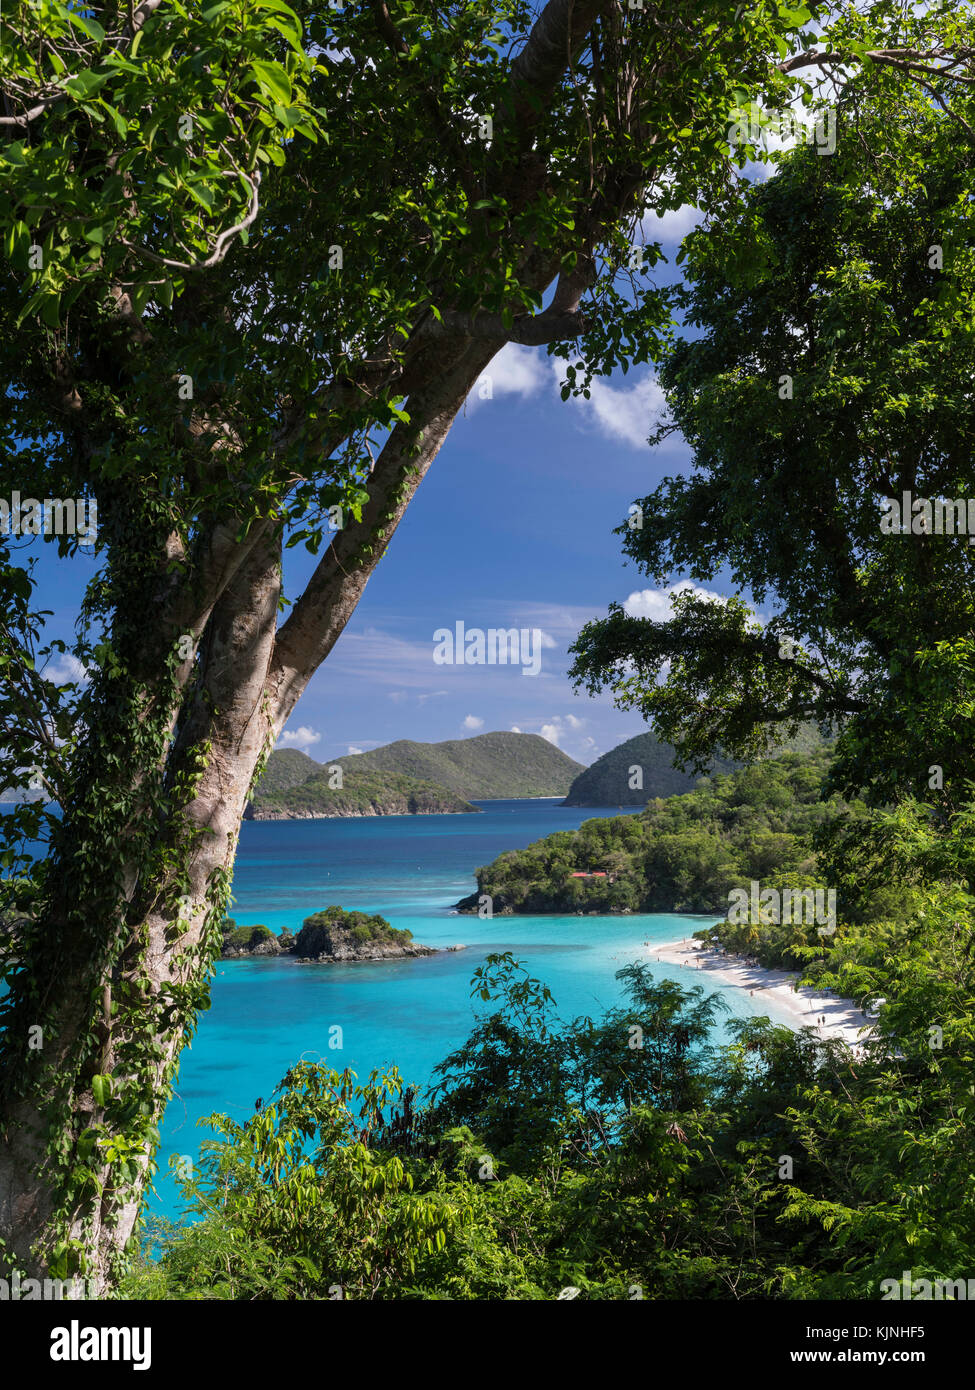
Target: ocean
{"type": "Point", "coordinates": [267, 1013]}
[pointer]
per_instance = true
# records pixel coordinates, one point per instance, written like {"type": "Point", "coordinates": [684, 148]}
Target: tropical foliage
{"type": "Point", "coordinates": [681, 853]}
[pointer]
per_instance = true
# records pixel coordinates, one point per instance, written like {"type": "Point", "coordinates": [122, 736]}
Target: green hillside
{"type": "Point", "coordinates": [286, 768]}
{"type": "Point", "coordinates": [680, 854]}
{"type": "Point", "coordinates": [364, 792]}
{"type": "Point", "coordinates": [487, 766]}
{"type": "Point", "coordinates": [607, 781]}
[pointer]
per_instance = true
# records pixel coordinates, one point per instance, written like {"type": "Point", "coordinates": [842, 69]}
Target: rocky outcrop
{"type": "Point", "coordinates": [252, 941]}
{"type": "Point", "coordinates": [332, 936]}
{"type": "Point", "coordinates": [335, 936]}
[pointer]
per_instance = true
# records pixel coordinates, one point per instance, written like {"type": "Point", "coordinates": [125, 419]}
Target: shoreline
{"type": "Point", "coordinates": [805, 1008]}
{"type": "Point", "coordinates": [355, 815]}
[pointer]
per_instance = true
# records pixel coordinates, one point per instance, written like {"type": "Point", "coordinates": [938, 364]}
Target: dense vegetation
{"type": "Point", "coordinates": [629, 1156]}
{"type": "Point", "coordinates": [680, 854]}
{"type": "Point", "coordinates": [362, 793]}
{"type": "Point", "coordinates": [407, 778]}
{"type": "Point", "coordinates": [361, 927]}
{"type": "Point", "coordinates": [286, 768]}
{"type": "Point", "coordinates": [609, 781]}
{"type": "Point", "coordinates": [479, 768]}
{"type": "Point", "coordinates": [636, 1154]}
{"type": "Point", "coordinates": [244, 938]}
{"type": "Point", "coordinates": [332, 934]}
{"type": "Point", "coordinates": [254, 259]}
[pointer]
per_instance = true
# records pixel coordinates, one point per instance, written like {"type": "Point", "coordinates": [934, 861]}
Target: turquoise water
{"type": "Point", "coordinates": [265, 1014]}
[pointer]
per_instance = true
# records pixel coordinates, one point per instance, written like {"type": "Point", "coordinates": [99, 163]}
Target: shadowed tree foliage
{"type": "Point", "coordinates": [829, 369]}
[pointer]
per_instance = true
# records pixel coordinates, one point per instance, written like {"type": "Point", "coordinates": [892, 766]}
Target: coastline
{"type": "Point", "coordinates": [354, 815]}
{"type": "Point", "coordinates": [805, 1007]}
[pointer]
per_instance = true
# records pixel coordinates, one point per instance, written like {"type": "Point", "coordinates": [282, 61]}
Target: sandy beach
{"type": "Point", "coordinates": [805, 1008]}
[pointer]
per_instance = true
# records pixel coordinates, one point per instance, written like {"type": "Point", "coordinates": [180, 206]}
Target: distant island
{"type": "Point", "coordinates": [407, 778]}
{"type": "Point", "coordinates": [331, 936]}
{"type": "Point", "coordinates": [642, 768]}
{"type": "Point", "coordinates": [362, 793]}
{"type": "Point", "coordinates": [635, 771]}
{"type": "Point", "coordinates": [683, 853]}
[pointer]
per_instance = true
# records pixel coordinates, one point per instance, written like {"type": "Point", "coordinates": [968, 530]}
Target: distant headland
{"type": "Point", "coordinates": [407, 778]}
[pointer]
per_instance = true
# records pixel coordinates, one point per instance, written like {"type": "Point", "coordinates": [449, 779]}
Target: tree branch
{"type": "Point", "coordinates": [531, 330]}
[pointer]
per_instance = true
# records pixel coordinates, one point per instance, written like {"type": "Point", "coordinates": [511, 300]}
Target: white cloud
{"type": "Point", "coordinates": [567, 732]}
{"type": "Point", "coordinates": [301, 738]}
{"type": "Point", "coordinates": [562, 724]}
{"type": "Point", "coordinates": [672, 225]}
{"type": "Point", "coordinates": [472, 722]}
{"type": "Point", "coordinates": [352, 750]}
{"type": "Point", "coordinates": [66, 668]}
{"type": "Point", "coordinates": [657, 603]}
{"type": "Point", "coordinates": [626, 413]}
{"type": "Point", "coordinates": [620, 412]}
{"type": "Point", "coordinates": [562, 619]}
{"type": "Point", "coordinates": [378, 658]}
{"type": "Point", "coordinates": [515, 371]}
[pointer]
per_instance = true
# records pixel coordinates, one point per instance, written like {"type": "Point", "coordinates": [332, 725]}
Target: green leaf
{"type": "Point", "coordinates": [118, 120]}
{"type": "Point", "coordinates": [101, 1089]}
{"type": "Point", "coordinates": [288, 33]}
{"type": "Point", "coordinates": [50, 310]}
{"type": "Point", "coordinates": [272, 78]}
{"type": "Point", "coordinates": [70, 295]}
{"type": "Point", "coordinates": [90, 26]}
{"type": "Point", "coordinates": [86, 83]}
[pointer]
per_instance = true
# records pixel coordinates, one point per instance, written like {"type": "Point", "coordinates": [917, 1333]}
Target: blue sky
{"type": "Point", "coordinates": [512, 527]}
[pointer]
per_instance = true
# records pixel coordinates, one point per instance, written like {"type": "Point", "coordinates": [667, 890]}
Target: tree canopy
{"type": "Point", "coordinates": [826, 367]}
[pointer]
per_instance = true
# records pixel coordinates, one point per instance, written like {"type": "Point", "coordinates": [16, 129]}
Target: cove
{"type": "Point", "coordinates": [266, 1014]}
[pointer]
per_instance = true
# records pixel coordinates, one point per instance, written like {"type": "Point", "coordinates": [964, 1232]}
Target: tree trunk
{"type": "Point", "coordinates": [121, 1003]}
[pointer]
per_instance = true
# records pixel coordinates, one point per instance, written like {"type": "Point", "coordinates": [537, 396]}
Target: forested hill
{"type": "Point", "coordinates": [487, 766]}
{"type": "Point", "coordinates": [643, 760]}
{"type": "Point", "coordinates": [407, 778]}
{"type": "Point", "coordinates": [480, 768]}
{"type": "Point", "coordinates": [285, 769]}
{"type": "Point", "coordinates": [362, 792]}
{"type": "Point", "coordinates": [680, 854]}
{"type": "Point", "coordinates": [649, 764]}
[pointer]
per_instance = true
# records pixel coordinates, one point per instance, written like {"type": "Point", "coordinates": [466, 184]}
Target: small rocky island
{"type": "Point", "coordinates": [331, 936]}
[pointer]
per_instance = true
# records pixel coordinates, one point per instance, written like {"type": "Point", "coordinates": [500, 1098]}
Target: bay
{"type": "Point", "coordinates": [267, 1013]}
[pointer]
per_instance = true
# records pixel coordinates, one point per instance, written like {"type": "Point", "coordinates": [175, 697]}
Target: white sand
{"type": "Point", "coordinates": [803, 1008]}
